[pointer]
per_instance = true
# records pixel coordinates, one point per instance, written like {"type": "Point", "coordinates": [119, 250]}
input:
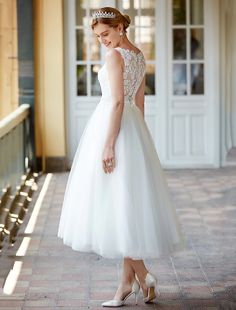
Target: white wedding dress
{"type": "Point", "coordinates": [127, 213]}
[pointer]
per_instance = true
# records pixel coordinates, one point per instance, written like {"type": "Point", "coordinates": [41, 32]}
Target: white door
{"type": "Point", "coordinates": [84, 57]}
{"type": "Point", "coordinates": [181, 98]}
{"type": "Point", "coordinates": [193, 84]}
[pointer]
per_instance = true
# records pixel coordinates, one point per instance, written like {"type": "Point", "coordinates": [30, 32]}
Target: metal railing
{"type": "Point", "coordinates": [14, 148]}
{"type": "Point", "coordinates": [17, 180]}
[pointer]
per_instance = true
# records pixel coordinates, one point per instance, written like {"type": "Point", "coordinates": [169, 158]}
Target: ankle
{"type": "Point", "coordinates": [144, 288]}
{"type": "Point", "coordinates": [127, 281]}
{"type": "Point", "coordinates": [141, 278]}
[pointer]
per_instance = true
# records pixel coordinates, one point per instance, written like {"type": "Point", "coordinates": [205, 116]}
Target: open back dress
{"type": "Point", "coordinates": [129, 212]}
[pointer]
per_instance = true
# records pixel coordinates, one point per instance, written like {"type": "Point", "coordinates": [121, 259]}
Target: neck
{"type": "Point", "coordinates": [124, 42]}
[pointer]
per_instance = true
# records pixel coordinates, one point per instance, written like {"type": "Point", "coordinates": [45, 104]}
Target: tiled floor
{"type": "Point", "coordinates": [53, 276]}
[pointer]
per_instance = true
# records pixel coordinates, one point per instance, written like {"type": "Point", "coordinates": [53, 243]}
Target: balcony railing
{"type": "Point", "coordinates": [17, 180]}
{"type": "Point", "coordinates": [13, 146]}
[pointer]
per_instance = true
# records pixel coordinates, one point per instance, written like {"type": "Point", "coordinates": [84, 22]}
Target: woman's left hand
{"type": "Point", "coordinates": [108, 159]}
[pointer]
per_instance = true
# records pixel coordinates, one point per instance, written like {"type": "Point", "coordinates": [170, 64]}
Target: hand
{"type": "Point", "coordinates": [108, 159]}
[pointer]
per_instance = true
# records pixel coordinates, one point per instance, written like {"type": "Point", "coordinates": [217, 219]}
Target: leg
{"type": "Point", "coordinates": [127, 279]}
{"type": "Point", "coordinates": [141, 272]}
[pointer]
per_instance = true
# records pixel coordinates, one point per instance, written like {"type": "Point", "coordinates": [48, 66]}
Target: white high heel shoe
{"type": "Point", "coordinates": [151, 283]}
{"type": "Point", "coordinates": [118, 303]}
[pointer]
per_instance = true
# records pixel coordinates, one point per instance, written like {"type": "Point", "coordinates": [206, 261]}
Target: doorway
{"type": "Point", "coordinates": [180, 41]}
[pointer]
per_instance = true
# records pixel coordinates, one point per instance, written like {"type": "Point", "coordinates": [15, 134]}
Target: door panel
{"type": "Point", "coordinates": [191, 110]}
{"type": "Point", "coordinates": [85, 57]}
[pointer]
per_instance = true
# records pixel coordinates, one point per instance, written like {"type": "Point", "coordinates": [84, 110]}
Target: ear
{"type": "Point", "coordinates": [120, 27]}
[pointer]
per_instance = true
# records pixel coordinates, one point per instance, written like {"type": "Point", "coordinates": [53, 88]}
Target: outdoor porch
{"type": "Point", "coordinates": [39, 272]}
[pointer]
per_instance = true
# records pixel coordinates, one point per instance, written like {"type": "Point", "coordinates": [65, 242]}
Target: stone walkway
{"type": "Point", "coordinates": [39, 272]}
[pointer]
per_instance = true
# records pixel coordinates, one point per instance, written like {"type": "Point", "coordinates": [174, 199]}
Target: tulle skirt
{"type": "Point", "coordinates": [129, 212]}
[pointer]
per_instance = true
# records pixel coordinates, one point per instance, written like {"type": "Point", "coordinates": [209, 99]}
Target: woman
{"type": "Point", "coordinates": [116, 202]}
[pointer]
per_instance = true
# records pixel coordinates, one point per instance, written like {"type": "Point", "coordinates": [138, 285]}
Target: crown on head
{"type": "Point", "coordinates": [100, 14]}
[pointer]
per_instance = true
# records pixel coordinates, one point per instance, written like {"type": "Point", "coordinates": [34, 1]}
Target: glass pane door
{"type": "Point", "coordinates": [142, 33]}
{"type": "Point", "coordinates": [88, 52]}
{"type": "Point", "coordinates": [88, 60]}
{"type": "Point", "coordinates": [187, 47]}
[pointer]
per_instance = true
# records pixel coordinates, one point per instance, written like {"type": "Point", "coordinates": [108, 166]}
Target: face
{"type": "Point", "coordinates": [107, 35]}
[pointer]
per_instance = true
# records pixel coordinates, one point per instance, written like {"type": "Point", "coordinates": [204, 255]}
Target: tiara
{"type": "Point", "coordinates": [100, 14]}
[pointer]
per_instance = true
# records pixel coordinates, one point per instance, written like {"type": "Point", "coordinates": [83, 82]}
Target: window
{"type": "Point", "coordinates": [188, 47]}
{"type": "Point", "coordinates": [88, 52]}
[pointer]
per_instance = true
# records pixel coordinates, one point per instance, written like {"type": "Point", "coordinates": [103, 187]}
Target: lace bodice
{"type": "Point", "coordinates": [134, 72]}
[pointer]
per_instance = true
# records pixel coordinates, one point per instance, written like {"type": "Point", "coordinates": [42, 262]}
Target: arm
{"type": "Point", "coordinates": [139, 97]}
{"type": "Point", "coordinates": [115, 66]}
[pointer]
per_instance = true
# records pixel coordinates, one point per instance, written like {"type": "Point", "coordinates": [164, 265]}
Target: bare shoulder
{"type": "Point", "coordinates": [113, 57]}
{"type": "Point", "coordinates": [112, 52]}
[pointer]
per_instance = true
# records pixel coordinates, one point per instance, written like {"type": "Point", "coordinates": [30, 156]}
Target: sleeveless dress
{"type": "Point", "coordinates": [127, 213]}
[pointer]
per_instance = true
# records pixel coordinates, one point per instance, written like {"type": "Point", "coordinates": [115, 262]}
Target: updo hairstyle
{"type": "Point", "coordinates": [112, 22]}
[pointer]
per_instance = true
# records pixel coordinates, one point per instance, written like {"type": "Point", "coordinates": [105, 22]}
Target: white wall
{"type": "Point", "coordinates": [233, 64]}
{"type": "Point", "coordinates": [228, 75]}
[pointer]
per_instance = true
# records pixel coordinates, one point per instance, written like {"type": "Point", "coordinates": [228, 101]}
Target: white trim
{"type": "Point", "coordinates": [227, 69]}
{"type": "Point", "coordinates": [212, 79]}
{"type": "Point", "coordinates": [70, 74]}
{"type": "Point", "coordinates": [161, 78]}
